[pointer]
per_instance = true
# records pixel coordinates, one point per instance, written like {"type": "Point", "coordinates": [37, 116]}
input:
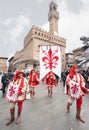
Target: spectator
{"type": "Point", "coordinates": [5, 82]}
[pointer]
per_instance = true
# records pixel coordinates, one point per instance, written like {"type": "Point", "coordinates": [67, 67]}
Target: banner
{"type": "Point", "coordinates": [12, 92]}
{"type": "Point", "coordinates": [50, 60]}
{"type": "Point", "coordinates": [74, 89]}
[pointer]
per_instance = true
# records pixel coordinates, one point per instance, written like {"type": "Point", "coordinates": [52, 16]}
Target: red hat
{"type": "Point", "coordinates": [16, 74]}
{"type": "Point", "coordinates": [19, 72]}
{"type": "Point", "coordinates": [32, 70]}
{"type": "Point", "coordinates": [71, 74]}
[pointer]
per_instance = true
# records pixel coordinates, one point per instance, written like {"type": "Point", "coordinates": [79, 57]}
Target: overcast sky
{"type": "Point", "coordinates": [18, 16]}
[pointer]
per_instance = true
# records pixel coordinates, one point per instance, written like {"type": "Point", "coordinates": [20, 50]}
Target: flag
{"type": "Point", "coordinates": [50, 60]}
{"type": "Point", "coordinates": [74, 89]}
{"type": "Point", "coordinates": [12, 92]}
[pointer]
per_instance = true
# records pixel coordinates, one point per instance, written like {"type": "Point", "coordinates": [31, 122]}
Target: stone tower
{"type": "Point", "coordinates": [53, 17]}
{"type": "Point", "coordinates": [28, 57]}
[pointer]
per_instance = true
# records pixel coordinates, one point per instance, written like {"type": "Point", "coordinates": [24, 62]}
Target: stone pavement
{"type": "Point", "coordinates": [45, 113]}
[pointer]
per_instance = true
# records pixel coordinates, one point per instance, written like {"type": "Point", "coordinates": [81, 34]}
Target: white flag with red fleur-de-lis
{"type": "Point", "coordinates": [12, 92]}
{"type": "Point", "coordinates": [50, 60]}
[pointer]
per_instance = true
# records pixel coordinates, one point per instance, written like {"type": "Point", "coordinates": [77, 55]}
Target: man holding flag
{"type": "Point", "coordinates": [50, 64]}
{"type": "Point", "coordinates": [50, 82]}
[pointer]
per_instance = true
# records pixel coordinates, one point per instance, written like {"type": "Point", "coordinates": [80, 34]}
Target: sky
{"type": "Point", "coordinates": [18, 16]}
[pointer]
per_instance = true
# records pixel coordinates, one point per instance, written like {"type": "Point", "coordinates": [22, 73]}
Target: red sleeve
{"type": "Point", "coordinates": [19, 93]}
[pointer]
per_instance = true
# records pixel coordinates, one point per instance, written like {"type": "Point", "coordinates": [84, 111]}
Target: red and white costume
{"type": "Point", "coordinates": [17, 95]}
{"type": "Point", "coordinates": [50, 79]}
{"type": "Point", "coordinates": [33, 79]}
{"type": "Point", "coordinates": [50, 82]}
{"type": "Point", "coordinates": [76, 80]}
{"type": "Point", "coordinates": [75, 88]}
{"type": "Point", "coordinates": [22, 84]}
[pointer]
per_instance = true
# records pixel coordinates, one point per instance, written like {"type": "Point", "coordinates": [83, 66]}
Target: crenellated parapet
{"type": "Point", "coordinates": [38, 33]}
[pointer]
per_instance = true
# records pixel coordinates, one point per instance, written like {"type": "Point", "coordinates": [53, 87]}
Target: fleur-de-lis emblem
{"type": "Point", "coordinates": [74, 89]}
{"type": "Point", "coordinates": [11, 91]}
{"type": "Point", "coordinates": [50, 59]}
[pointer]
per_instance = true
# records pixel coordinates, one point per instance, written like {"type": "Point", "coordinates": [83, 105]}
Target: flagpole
{"type": "Point", "coordinates": [50, 70]}
{"type": "Point", "coordinates": [49, 57]}
{"type": "Point", "coordinates": [50, 44]}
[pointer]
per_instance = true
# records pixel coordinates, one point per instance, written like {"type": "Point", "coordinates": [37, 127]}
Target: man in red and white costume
{"type": "Point", "coordinates": [50, 82]}
{"type": "Point", "coordinates": [75, 77]}
{"type": "Point", "coordinates": [22, 84]}
{"type": "Point", "coordinates": [33, 81]}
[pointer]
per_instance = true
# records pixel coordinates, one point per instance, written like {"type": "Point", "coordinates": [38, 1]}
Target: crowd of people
{"type": "Point", "coordinates": [75, 84]}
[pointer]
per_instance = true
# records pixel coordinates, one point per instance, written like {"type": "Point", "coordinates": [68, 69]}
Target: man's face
{"type": "Point", "coordinates": [20, 75]}
{"type": "Point", "coordinates": [76, 70]}
{"type": "Point", "coordinates": [33, 71]}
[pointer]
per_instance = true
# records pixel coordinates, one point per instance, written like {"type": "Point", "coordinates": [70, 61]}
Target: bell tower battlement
{"type": "Point", "coordinates": [53, 17]}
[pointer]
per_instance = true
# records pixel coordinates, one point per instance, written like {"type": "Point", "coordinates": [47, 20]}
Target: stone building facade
{"type": "Point", "coordinates": [3, 64]}
{"type": "Point", "coordinates": [28, 57]}
{"type": "Point", "coordinates": [69, 60]}
{"type": "Point", "coordinates": [77, 52]}
{"type": "Point", "coordinates": [81, 56]}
